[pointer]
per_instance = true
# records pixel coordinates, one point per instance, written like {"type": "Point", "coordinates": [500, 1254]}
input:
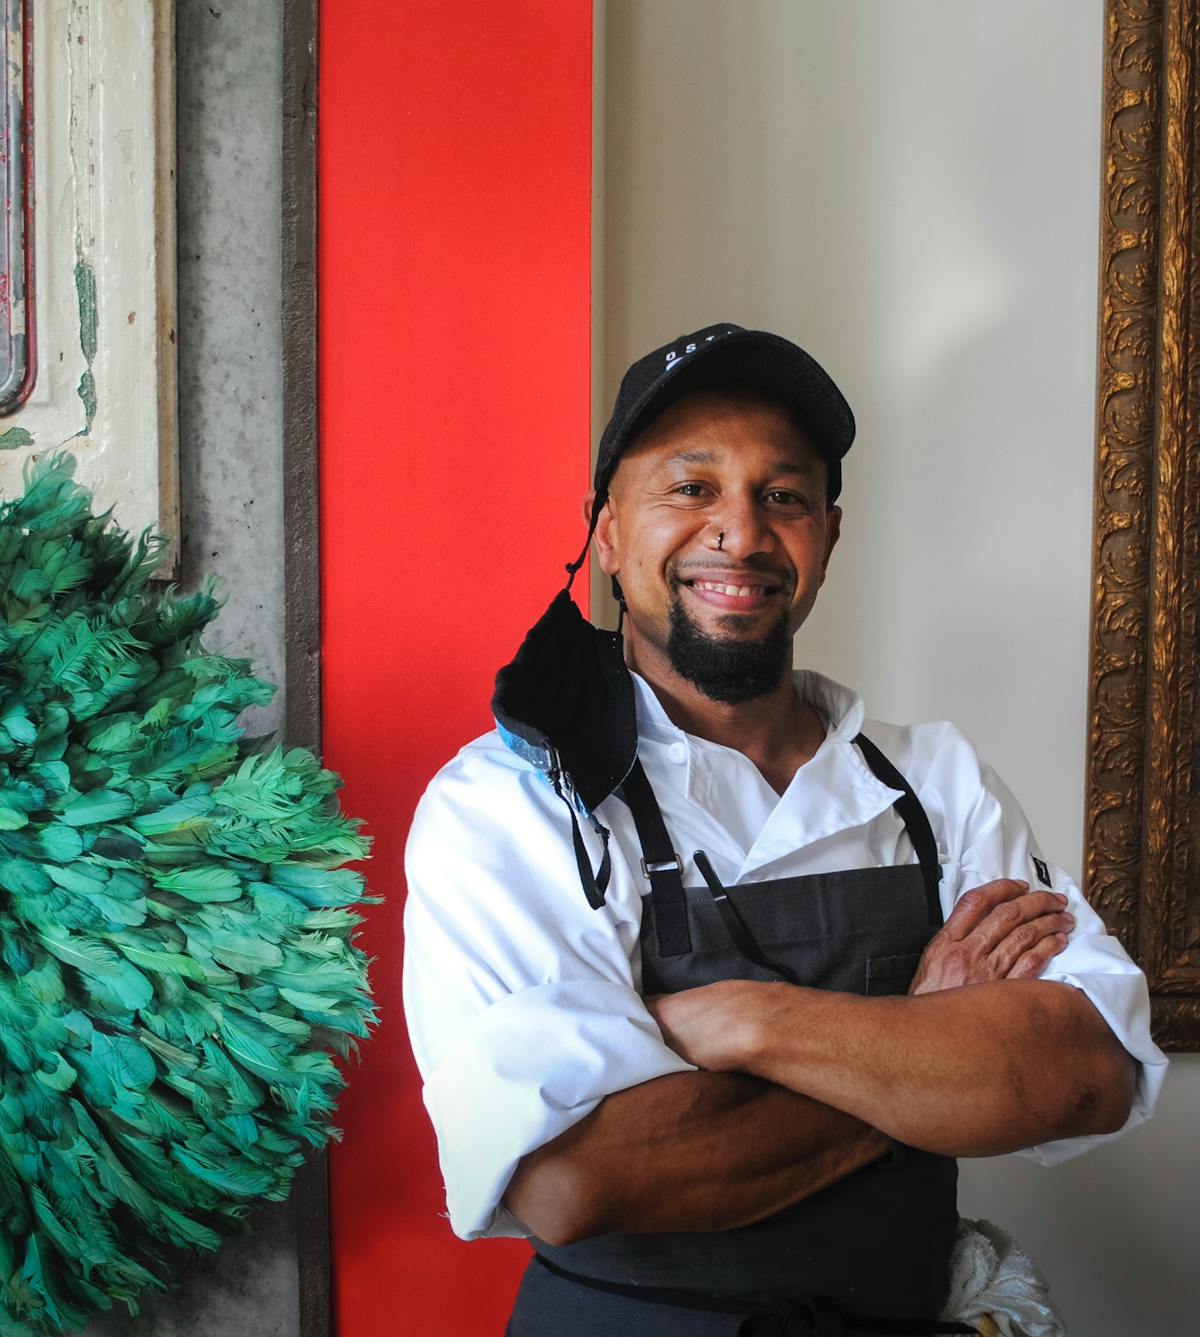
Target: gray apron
{"type": "Point", "coordinates": [870, 1253]}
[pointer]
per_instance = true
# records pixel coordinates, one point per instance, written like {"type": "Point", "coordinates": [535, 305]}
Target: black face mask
{"type": "Point", "coordinates": [566, 705]}
{"type": "Point", "coordinates": [727, 670]}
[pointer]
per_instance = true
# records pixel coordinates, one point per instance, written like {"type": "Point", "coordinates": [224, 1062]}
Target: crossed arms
{"type": "Point", "coordinates": [800, 1087]}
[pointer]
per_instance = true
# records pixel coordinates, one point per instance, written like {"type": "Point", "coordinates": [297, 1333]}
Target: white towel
{"type": "Point", "coordinates": [992, 1276]}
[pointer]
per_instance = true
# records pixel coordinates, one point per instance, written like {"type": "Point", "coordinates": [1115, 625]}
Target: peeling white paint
{"type": "Point", "coordinates": [104, 143]}
{"type": "Point", "coordinates": [14, 383]}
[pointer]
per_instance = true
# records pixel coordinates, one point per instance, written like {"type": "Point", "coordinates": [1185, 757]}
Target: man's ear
{"type": "Point", "coordinates": [606, 533]}
{"type": "Point", "coordinates": [833, 531]}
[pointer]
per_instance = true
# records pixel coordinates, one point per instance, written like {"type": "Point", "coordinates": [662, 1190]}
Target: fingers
{"type": "Point", "coordinates": [971, 909]}
{"type": "Point", "coordinates": [1031, 965]}
{"type": "Point", "coordinates": [1014, 917]}
{"type": "Point", "coordinates": [1000, 930]}
{"type": "Point", "coordinates": [1028, 937]}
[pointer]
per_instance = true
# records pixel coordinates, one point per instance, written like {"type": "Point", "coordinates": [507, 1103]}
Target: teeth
{"type": "Point", "coordinates": [732, 591]}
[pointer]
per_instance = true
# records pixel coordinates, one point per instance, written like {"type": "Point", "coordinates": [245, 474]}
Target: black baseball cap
{"type": "Point", "coordinates": [720, 356]}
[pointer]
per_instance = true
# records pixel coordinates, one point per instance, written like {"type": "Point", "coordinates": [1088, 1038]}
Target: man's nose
{"type": "Point", "coordinates": [739, 527]}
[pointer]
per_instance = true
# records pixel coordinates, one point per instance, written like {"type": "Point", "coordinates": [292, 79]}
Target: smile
{"type": "Point", "coordinates": [734, 591]}
{"type": "Point", "coordinates": [731, 594]}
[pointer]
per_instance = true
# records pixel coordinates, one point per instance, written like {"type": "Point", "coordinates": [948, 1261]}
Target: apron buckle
{"type": "Point", "coordinates": [671, 865]}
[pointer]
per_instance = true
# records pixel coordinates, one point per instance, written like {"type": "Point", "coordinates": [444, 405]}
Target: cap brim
{"type": "Point", "coordinates": [752, 358]}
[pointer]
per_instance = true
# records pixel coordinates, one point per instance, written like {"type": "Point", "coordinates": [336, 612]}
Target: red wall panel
{"type": "Point", "coordinates": [454, 170]}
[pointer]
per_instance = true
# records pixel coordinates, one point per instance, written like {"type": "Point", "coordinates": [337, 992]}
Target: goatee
{"type": "Point", "coordinates": [728, 670]}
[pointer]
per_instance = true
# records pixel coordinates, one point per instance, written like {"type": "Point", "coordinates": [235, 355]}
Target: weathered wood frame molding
{"type": "Point", "coordinates": [302, 598]}
{"type": "Point", "coordinates": [1142, 854]}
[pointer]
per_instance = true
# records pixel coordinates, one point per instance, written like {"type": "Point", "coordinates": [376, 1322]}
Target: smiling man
{"type": "Point", "coordinates": [711, 979]}
{"type": "Point", "coordinates": [718, 528]}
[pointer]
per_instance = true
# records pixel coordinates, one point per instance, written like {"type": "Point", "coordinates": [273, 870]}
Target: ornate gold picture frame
{"type": "Point", "coordinates": [1142, 851]}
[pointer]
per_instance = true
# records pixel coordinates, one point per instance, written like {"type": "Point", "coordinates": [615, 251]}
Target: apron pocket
{"type": "Point", "coordinates": [891, 974]}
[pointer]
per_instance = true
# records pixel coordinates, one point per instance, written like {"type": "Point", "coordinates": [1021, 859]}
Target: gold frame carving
{"type": "Point", "coordinates": [1142, 847]}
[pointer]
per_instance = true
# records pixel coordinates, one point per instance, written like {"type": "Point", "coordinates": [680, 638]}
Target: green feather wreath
{"type": "Point", "coordinates": [176, 933]}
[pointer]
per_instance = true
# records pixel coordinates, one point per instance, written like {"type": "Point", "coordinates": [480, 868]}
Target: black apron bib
{"type": "Point", "coordinates": [870, 1253]}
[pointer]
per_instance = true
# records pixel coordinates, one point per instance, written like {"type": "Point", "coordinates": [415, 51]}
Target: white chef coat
{"type": "Point", "coordinates": [523, 1003]}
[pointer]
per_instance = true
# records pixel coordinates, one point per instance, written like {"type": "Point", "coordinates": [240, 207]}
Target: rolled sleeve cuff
{"type": "Point", "coordinates": [1122, 999]}
{"type": "Point", "coordinates": [526, 1070]}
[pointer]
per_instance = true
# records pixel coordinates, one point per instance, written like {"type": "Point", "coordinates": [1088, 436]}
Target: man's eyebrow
{"type": "Point", "coordinates": [794, 467]}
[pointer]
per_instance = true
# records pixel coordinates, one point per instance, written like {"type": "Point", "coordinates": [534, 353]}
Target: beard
{"type": "Point", "coordinates": [727, 670]}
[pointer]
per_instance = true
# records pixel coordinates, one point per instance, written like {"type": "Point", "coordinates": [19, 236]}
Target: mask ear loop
{"type": "Point", "coordinates": [594, 884]}
{"type": "Point", "coordinates": [573, 567]}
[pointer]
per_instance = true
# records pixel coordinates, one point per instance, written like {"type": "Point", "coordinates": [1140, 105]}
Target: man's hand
{"type": "Point", "coordinates": [998, 931]}
{"type": "Point", "coordinates": [705, 1025]}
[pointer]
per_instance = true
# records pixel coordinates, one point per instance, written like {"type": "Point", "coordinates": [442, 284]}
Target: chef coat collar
{"type": "Point", "coordinates": [834, 791]}
{"type": "Point", "coordinates": [840, 707]}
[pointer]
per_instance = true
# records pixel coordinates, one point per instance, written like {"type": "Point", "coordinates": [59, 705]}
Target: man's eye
{"type": "Point", "coordinates": [780, 497]}
{"type": "Point", "coordinates": [690, 490]}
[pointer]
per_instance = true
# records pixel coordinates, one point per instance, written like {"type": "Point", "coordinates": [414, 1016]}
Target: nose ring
{"type": "Point", "coordinates": [720, 539]}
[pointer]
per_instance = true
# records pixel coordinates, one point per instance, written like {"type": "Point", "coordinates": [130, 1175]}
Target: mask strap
{"type": "Point", "coordinates": [594, 884]}
{"type": "Point", "coordinates": [573, 567]}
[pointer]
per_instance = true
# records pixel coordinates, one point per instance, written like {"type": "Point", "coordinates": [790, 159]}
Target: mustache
{"type": "Point", "coordinates": [703, 569]}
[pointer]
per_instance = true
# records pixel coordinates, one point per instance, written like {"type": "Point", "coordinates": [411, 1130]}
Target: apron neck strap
{"type": "Point", "coordinates": [916, 823]}
{"type": "Point", "coordinates": [660, 863]}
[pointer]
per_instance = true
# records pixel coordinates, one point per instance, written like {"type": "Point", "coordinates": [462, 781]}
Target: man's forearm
{"type": "Point", "coordinates": [689, 1151]}
{"type": "Point", "coordinates": [974, 1071]}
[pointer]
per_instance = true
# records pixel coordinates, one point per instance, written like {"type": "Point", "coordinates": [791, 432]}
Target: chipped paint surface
{"type": "Point", "coordinates": [104, 237]}
{"type": "Point", "coordinates": [81, 138]}
{"type": "Point", "coordinates": [85, 287]}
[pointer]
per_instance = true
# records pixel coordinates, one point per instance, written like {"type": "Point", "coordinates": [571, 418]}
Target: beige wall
{"type": "Point", "coordinates": [911, 192]}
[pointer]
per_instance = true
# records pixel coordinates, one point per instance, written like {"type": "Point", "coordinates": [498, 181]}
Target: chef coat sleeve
{"type": "Point", "coordinates": [995, 840]}
{"type": "Point", "coordinates": [520, 998]}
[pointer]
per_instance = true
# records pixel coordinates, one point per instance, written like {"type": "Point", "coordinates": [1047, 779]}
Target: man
{"type": "Point", "coordinates": [709, 980]}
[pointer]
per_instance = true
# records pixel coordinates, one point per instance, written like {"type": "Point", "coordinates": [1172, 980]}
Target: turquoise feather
{"type": "Point", "coordinates": [177, 958]}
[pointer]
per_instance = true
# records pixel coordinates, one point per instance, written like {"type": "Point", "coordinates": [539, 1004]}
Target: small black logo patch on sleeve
{"type": "Point", "coordinates": [1042, 871]}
